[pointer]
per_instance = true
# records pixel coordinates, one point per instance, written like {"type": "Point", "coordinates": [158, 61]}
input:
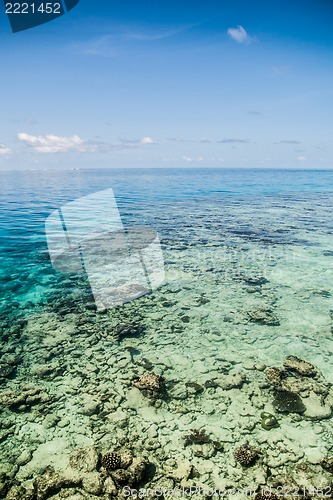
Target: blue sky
{"type": "Point", "coordinates": [227, 83]}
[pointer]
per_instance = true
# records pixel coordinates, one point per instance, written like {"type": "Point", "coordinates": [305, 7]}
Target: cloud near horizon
{"type": "Point", "coordinates": [191, 158]}
{"type": "Point", "coordinates": [233, 141]}
{"type": "Point", "coordinates": [289, 141]}
{"type": "Point", "coordinates": [239, 34]}
{"type": "Point", "coordinates": [135, 142]}
{"type": "Point", "coordinates": [147, 140]}
{"type": "Point", "coordinates": [50, 143]}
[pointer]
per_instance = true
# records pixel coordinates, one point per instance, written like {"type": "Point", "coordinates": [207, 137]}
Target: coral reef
{"type": "Point", "coordinates": [288, 402]}
{"type": "Point", "coordinates": [123, 468]}
{"type": "Point", "coordinates": [275, 376]}
{"type": "Point", "coordinates": [197, 436]}
{"type": "Point", "coordinates": [246, 455]}
{"type": "Point", "coordinates": [111, 461]}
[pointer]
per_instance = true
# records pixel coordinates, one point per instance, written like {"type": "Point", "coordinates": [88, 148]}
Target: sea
{"type": "Point", "coordinates": [248, 262]}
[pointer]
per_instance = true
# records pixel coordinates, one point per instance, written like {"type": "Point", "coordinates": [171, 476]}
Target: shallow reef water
{"type": "Point", "coordinates": [220, 379]}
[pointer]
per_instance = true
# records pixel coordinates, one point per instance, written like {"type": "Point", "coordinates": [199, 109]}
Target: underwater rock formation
{"type": "Point", "coordinates": [327, 464]}
{"type": "Point", "coordinates": [150, 385]}
{"type": "Point", "coordinates": [197, 436]}
{"type": "Point", "coordinates": [127, 330]}
{"type": "Point", "coordinates": [51, 482]}
{"type": "Point", "coordinates": [299, 366]}
{"type": "Point", "coordinates": [299, 388]}
{"type": "Point", "coordinates": [84, 459]}
{"type": "Point", "coordinates": [8, 364]}
{"type": "Point", "coordinates": [21, 400]}
{"type": "Point", "coordinates": [263, 317]}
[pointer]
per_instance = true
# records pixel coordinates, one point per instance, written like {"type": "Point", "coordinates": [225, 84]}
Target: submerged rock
{"type": "Point", "coordinates": [194, 387]}
{"type": "Point", "coordinates": [127, 330]}
{"type": "Point", "coordinates": [150, 385]}
{"type": "Point", "coordinates": [84, 459]}
{"type": "Point", "coordinates": [8, 364]}
{"type": "Point", "coordinates": [197, 436]}
{"type": "Point", "coordinates": [299, 366]}
{"type": "Point", "coordinates": [21, 400]}
{"type": "Point", "coordinates": [263, 317]}
{"type": "Point", "coordinates": [255, 280]}
{"type": "Point", "coordinates": [288, 402]}
{"type": "Point", "coordinates": [231, 381]}
{"type": "Point", "coordinates": [51, 482]}
{"type": "Point", "coordinates": [316, 409]}
{"type": "Point", "coordinates": [327, 464]}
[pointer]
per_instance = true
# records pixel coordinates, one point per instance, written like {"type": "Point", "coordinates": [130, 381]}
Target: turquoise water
{"type": "Point", "coordinates": [249, 272]}
{"type": "Point", "coordinates": [166, 199]}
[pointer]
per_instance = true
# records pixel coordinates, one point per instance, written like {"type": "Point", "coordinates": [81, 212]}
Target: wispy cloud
{"type": "Point", "coordinates": [190, 159]}
{"type": "Point", "coordinates": [206, 140]}
{"type": "Point", "coordinates": [289, 141]}
{"type": "Point", "coordinates": [233, 141]}
{"type": "Point", "coordinates": [60, 144]}
{"type": "Point", "coordinates": [4, 150]}
{"type": "Point", "coordinates": [301, 158]}
{"type": "Point", "coordinates": [254, 112]}
{"type": "Point", "coordinates": [102, 46]}
{"type": "Point", "coordinates": [239, 34]}
{"type": "Point", "coordinates": [152, 34]}
{"type": "Point", "coordinates": [108, 45]}
{"type": "Point", "coordinates": [136, 142]}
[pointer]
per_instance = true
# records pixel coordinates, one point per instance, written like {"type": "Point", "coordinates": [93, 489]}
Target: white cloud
{"type": "Point", "coordinates": [4, 150]}
{"type": "Point", "coordinates": [239, 34]}
{"type": "Point", "coordinates": [59, 144]}
{"type": "Point", "coordinates": [301, 158]}
{"type": "Point", "coordinates": [147, 140]}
